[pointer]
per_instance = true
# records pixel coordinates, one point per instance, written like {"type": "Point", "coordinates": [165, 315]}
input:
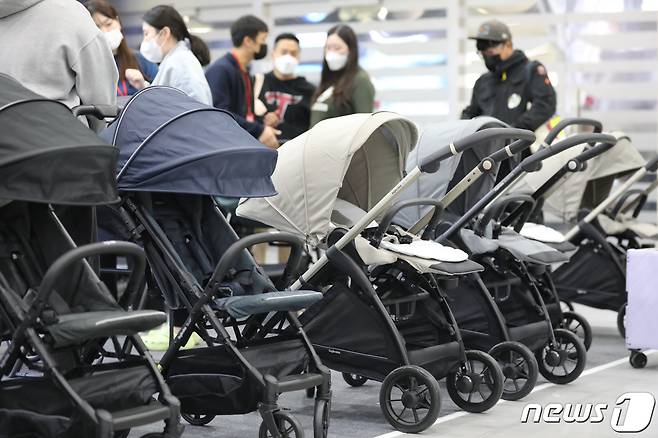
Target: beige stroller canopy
{"type": "Point", "coordinates": [569, 197]}
{"type": "Point", "coordinates": [357, 158]}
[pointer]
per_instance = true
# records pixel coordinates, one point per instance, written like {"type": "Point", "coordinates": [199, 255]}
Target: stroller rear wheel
{"type": "Point", "coordinates": [409, 399]}
{"type": "Point", "coordinates": [197, 419]}
{"type": "Point", "coordinates": [638, 359]}
{"type": "Point", "coordinates": [287, 425]}
{"type": "Point", "coordinates": [354, 380]}
{"type": "Point", "coordinates": [519, 367]}
{"type": "Point", "coordinates": [578, 325]}
{"type": "Point", "coordinates": [478, 384]}
{"type": "Point", "coordinates": [321, 418]}
{"type": "Point", "coordinates": [563, 361]}
{"type": "Point", "coordinates": [621, 320]}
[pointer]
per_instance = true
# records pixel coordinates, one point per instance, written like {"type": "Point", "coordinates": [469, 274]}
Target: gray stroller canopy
{"type": "Point", "coordinates": [357, 158]}
{"type": "Point", "coordinates": [435, 185]}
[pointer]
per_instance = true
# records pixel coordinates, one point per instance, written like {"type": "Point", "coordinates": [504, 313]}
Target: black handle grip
{"type": "Point", "coordinates": [495, 211]}
{"type": "Point", "coordinates": [564, 123]}
{"type": "Point", "coordinates": [509, 151]}
{"type": "Point", "coordinates": [431, 163]}
{"type": "Point", "coordinates": [232, 254]}
{"type": "Point", "coordinates": [530, 163]}
{"type": "Point", "coordinates": [98, 111]}
{"type": "Point", "coordinates": [652, 164]}
{"type": "Point", "coordinates": [593, 152]}
{"type": "Point", "coordinates": [63, 264]}
{"type": "Point", "coordinates": [387, 220]}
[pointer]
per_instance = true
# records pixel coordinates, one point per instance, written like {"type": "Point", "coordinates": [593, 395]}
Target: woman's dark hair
{"type": "Point", "coordinates": [343, 79]}
{"type": "Point", "coordinates": [165, 16]}
{"type": "Point", "coordinates": [125, 56]}
{"type": "Point", "coordinates": [246, 26]}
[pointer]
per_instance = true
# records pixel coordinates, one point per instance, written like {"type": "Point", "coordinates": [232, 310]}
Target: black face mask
{"type": "Point", "coordinates": [492, 62]}
{"type": "Point", "coordinates": [262, 53]}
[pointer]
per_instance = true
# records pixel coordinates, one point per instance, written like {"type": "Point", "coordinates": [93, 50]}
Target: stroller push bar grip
{"type": "Point", "coordinates": [387, 220]}
{"type": "Point", "coordinates": [510, 150]}
{"type": "Point", "coordinates": [431, 163]}
{"type": "Point", "coordinates": [98, 111]}
{"type": "Point", "coordinates": [530, 163]}
{"type": "Point", "coordinates": [593, 152]}
{"type": "Point", "coordinates": [564, 123]}
{"type": "Point", "coordinates": [63, 264]}
{"type": "Point", "coordinates": [652, 165]}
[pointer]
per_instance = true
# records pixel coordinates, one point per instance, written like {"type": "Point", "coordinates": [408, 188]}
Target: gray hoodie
{"type": "Point", "coordinates": [54, 48]}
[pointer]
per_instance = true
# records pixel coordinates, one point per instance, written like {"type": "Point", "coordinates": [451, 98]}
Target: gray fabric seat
{"type": "Point", "coordinates": [477, 245]}
{"type": "Point", "coordinates": [565, 247]}
{"type": "Point", "coordinates": [528, 250]}
{"type": "Point", "coordinates": [458, 268]}
{"type": "Point", "coordinates": [245, 305]}
{"type": "Point", "coordinates": [73, 328]}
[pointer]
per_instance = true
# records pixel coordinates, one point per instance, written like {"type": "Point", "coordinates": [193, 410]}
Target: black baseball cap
{"type": "Point", "coordinates": [492, 30]}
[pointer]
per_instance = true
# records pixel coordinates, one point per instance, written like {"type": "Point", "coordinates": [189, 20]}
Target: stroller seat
{"type": "Point", "coordinates": [246, 305]}
{"type": "Point", "coordinates": [528, 250]}
{"type": "Point", "coordinates": [547, 235]}
{"type": "Point", "coordinates": [73, 328]}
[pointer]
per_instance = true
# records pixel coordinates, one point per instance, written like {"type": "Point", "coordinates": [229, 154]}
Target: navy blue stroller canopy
{"type": "Point", "coordinates": [171, 143]}
{"type": "Point", "coordinates": [47, 155]}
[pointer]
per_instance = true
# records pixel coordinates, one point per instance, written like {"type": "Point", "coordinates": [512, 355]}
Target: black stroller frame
{"type": "Point", "coordinates": [204, 317]}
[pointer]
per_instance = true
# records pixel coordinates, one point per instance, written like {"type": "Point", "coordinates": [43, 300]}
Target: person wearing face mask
{"type": "Point", "coordinates": [180, 56]}
{"type": "Point", "coordinates": [284, 96]}
{"type": "Point", "coordinates": [514, 89]}
{"type": "Point", "coordinates": [232, 85]}
{"type": "Point", "coordinates": [107, 20]}
{"type": "Point", "coordinates": [345, 88]}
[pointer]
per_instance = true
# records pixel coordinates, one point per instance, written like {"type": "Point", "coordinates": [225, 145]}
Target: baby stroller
{"type": "Point", "coordinates": [383, 315]}
{"type": "Point", "coordinates": [515, 288]}
{"type": "Point", "coordinates": [167, 180]}
{"type": "Point", "coordinates": [73, 364]}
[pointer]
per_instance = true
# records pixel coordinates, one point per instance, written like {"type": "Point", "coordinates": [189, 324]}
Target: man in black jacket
{"type": "Point", "coordinates": [231, 83]}
{"type": "Point", "coordinates": [515, 89]}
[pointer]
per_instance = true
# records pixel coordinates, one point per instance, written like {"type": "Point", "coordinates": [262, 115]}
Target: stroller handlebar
{"type": "Point", "coordinates": [652, 165]}
{"type": "Point", "coordinates": [431, 163]}
{"type": "Point", "coordinates": [98, 111]}
{"type": "Point", "coordinates": [592, 152]}
{"type": "Point", "coordinates": [564, 123]}
{"type": "Point", "coordinates": [387, 220]}
{"type": "Point", "coordinates": [510, 150]}
{"type": "Point", "coordinates": [530, 163]}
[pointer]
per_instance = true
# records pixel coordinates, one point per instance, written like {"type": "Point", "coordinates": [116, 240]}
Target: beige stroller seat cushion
{"type": "Point", "coordinates": [426, 249]}
{"type": "Point", "coordinates": [542, 233]}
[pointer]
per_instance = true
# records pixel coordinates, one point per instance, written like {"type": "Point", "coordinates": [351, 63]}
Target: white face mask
{"type": "Point", "coordinates": [114, 38]}
{"type": "Point", "coordinates": [335, 61]}
{"type": "Point", "coordinates": [286, 64]}
{"type": "Point", "coordinates": [151, 51]}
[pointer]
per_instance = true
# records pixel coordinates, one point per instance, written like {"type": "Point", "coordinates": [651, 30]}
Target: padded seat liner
{"type": "Point", "coordinates": [245, 305]}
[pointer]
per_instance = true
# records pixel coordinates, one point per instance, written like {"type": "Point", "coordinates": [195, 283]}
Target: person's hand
{"type": "Point", "coordinates": [268, 137]}
{"type": "Point", "coordinates": [136, 78]}
{"type": "Point", "coordinates": [271, 119]}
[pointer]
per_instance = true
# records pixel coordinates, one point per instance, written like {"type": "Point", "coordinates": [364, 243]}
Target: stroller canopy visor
{"type": "Point", "coordinates": [171, 143]}
{"type": "Point", "coordinates": [452, 170]}
{"type": "Point", "coordinates": [47, 155]}
{"type": "Point", "coordinates": [356, 158]}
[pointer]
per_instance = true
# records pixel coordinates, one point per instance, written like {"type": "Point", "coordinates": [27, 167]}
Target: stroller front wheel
{"type": "Point", "coordinates": [621, 320]}
{"type": "Point", "coordinates": [478, 384]}
{"type": "Point", "coordinates": [578, 325]}
{"type": "Point", "coordinates": [321, 418]}
{"type": "Point", "coordinates": [197, 419]}
{"type": "Point", "coordinates": [354, 380]}
{"type": "Point", "coordinates": [563, 361]}
{"type": "Point", "coordinates": [519, 367]}
{"type": "Point", "coordinates": [409, 399]}
{"type": "Point", "coordinates": [287, 425]}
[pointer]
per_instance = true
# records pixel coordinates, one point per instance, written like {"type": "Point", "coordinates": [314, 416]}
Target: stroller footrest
{"type": "Point", "coordinates": [129, 418]}
{"type": "Point", "coordinates": [245, 305]}
{"type": "Point", "coordinates": [299, 382]}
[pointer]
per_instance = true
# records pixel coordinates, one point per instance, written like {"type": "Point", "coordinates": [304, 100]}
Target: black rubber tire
{"type": "Point", "coordinates": [571, 349]}
{"type": "Point", "coordinates": [638, 359]}
{"type": "Point", "coordinates": [289, 426]}
{"type": "Point", "coordinates": [621, 323]}
{"type": "Point", "coordinates": [577, 324]}
{"type": "Point", "coordinates": [412, 382]}
{"type": "Point", "coordinates": [489, 375]}
{"type": "Point", "coordinates": [321, 417]}
{"type": "Point", "coordinates": [153, 435]}
{"type": "Point", "coordinates": [514, 357]}
{"type": "Point", "coordinates": [354, 380]}
{"type": "Point", "coordinates": [122, 434]}
{"type": "Point", "coordinates": [197, 419]}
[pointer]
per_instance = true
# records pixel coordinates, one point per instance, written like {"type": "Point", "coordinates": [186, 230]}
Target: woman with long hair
{"type": "Point", "coordinates": [107, 20]}
{"type": "Point", "coordinates": [180, 55]}
{"type": "Point", "coordinates": [345, 88]}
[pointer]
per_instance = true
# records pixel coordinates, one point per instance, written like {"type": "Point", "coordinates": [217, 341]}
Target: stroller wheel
{"type": "Point", "coordinates": [638, 359]}
{"type": "Point", "coordinates": [321, 418]}
{"type": "Point", "coordinates": [288, 426]}
{"type": "Point", "coordinates": [354, 380]}
{"type": "Point", "coordinates": [478, 383]}
{"type": "Point", "coordinates": [197, 419]}
{"type": "Point", "coordinates": [621, 320]}
{"type": "Point", "coordinates": [122, 434]}
{"type": "Point", "coordinates": [564, 361]}
{"type": "Point", "coordinates": [409, 399]}
{"type": "Point", "coordinates": [578, 325]}
{"type": "Point", "coordinates": [519, 367]}
{"type": "Point", "coordinates": [153, 435]}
